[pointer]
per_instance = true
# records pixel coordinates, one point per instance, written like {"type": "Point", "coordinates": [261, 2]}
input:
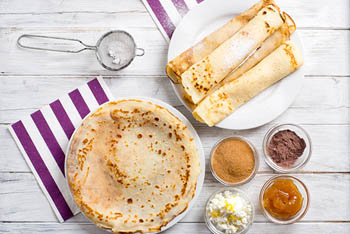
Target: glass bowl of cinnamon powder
{"type": "Point", "coordinates": [287, 147]}
{"type": "Point", "coordinates": [234, 161]}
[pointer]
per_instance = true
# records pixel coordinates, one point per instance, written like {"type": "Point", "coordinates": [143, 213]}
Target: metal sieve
{"type": "Point", "coordinates": [115, 50]}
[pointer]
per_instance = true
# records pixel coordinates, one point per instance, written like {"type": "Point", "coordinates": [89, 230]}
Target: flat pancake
{"type": "Point", "coordinates": [201, 77]}
{"type": "Point", "coordinates": [280, 63]}
{"type": "Point", "coordinates": [181, 63]}
{"type": "Point", "coordinates": [132, 166]}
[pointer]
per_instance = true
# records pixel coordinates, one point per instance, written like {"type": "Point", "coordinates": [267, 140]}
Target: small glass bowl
{"type": "Point", "coordinates": [301, 161]}
{"type": "Point", "coordinates": [303, 191]}
{"type": "Point", "coordinates": [212, 227]}
{"type": "Point", "coordinates": [256, 160]}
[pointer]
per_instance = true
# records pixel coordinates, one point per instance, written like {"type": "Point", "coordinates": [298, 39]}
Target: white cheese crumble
{"type": "Point", "coordinates": [229, 212]}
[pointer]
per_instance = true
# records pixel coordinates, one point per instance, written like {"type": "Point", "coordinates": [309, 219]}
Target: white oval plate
{"type": "Point", "coordinates": [268, 105]}
{"type": "Point", "coordinates": [197, 141]}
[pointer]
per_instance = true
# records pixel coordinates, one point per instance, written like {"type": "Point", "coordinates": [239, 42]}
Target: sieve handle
{"type": "Point", "coordinates": [20, 44]}
{"type": "Point", "coordinates": [139, 52]}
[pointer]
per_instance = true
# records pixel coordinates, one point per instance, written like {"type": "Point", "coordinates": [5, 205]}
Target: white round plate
{"type": "Point", "coordinates": [268, 105]}
{"type": "Point", "coordinates": [197, 141]}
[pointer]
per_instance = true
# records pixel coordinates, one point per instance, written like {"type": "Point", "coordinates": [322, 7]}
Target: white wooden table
{"type": "Point", "coordinates": [31, 79]}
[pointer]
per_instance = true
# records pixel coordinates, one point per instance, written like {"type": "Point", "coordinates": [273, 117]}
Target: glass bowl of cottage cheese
{"type": "Point", "coordinates": [229, 211]}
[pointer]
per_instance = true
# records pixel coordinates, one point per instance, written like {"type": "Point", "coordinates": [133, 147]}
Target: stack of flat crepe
{"type": "Point", "coordinates": [256, 41]}
{"type": "Point", "coordinates": [132, 166]}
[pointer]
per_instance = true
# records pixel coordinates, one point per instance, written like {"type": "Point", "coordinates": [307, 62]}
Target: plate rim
{"type": "Point", "coordinates": [197, 140]}
{"type": "Point", "coordinates": [278, 111]}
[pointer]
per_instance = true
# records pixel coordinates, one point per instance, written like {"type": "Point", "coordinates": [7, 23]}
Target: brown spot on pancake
{"type": "Point", "coordinates": [141, 220]}
{"type": "Point", "coordinates": [116, 171]}
{"type": "Point", "coordinates": [85, 141]}
{"type": "Point", "coordinates": [156, 119]}
{"type": "Point", "coordinates": [150, 136]}
{"type": "Point", "coordinates": [118, 135]}
{"type": "Point", "coordinates": [139, 136]}
{"type": "Point", "coordinates": [267, 25]}
{"type": "Point", "coordinates": [178, 137]}
{"type": "Point", "coordinates": [270, 8]}
{"type": "Point", "coordinates": [183, 190]}
{"type": "Point", "coordinates": [264, 13]}
{"type": "Point", "coordinates": [129, 200]}
{"type": "Point", "coordinates": [170, 134]}
{"type": "Point", "coordinates": [288, 50]}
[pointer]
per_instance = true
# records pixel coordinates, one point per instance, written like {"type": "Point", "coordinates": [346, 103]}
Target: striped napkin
{"type": "Point", "coordinates": [168, 13]}
{"type": "Point", "coordinates": [43, 139]}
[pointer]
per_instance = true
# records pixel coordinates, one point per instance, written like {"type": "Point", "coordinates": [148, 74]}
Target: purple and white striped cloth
{"type": "Point", "coordinates": [168, 13]}
{"type": "Point", "coordinates": [44, 135]}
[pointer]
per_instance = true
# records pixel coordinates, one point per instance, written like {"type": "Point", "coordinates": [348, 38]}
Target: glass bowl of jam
{"type": "Point", "coordinates": [284, 199]}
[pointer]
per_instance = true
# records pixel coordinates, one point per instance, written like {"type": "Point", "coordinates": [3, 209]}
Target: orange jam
{"type": "Point", "coordinates": [282, 199]}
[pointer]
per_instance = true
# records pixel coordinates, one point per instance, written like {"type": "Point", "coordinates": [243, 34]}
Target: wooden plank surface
{"type": "Point", "coordinates": [41, 90]}
{"type": "Point", "coordinates": [198, 228]}
{"type": "Point", "coordinates": [329, 198]}
{"type": "Point", "coordinates": [310, 14]}
{"type": "Point", "coordinates": [328, 47]}
{"type": "Point", "coordinates": [31, 79]}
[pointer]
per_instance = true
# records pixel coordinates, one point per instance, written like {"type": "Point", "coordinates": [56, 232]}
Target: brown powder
{"type": "Point", "coordinates": [285, 147]}
{"type": "Point", "coordinates": [233, 160]}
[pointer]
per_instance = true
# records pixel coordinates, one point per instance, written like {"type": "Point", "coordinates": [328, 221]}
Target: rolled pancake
{"type": "Point", "coordinates": [181, 63]}
{"type": "Point", "coordinates": [220, 104]}
{"type": "Point", "coordinates": [269, 45]}
{"type": "Point", "coordinates": [207, 73]}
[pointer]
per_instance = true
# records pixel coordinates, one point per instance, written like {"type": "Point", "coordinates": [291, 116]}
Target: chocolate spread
{"type": "Point", "coordinates": [285, 147]}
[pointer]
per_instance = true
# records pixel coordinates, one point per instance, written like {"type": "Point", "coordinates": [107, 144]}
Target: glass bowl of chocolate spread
{"type": "Point", "coordinates": [287, 147]}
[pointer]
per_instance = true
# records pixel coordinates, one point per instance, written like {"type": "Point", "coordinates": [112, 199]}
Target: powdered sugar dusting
{"type": "Point", "coordinates": [238, 51]}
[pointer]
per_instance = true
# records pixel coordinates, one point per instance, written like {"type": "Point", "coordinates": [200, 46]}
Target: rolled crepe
{"type": "Point", "coordinates": [269, 45]}
{"type": "Point", "coordinates": [220, 104]}
{"type": "Point", "coordinates": [207, 73]}
{"type": "Point", "coordinates": [181, 63]}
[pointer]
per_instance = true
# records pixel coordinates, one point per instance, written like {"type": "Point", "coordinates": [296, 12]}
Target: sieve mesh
{"type": "Point", "coordinates": [115, 50]}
